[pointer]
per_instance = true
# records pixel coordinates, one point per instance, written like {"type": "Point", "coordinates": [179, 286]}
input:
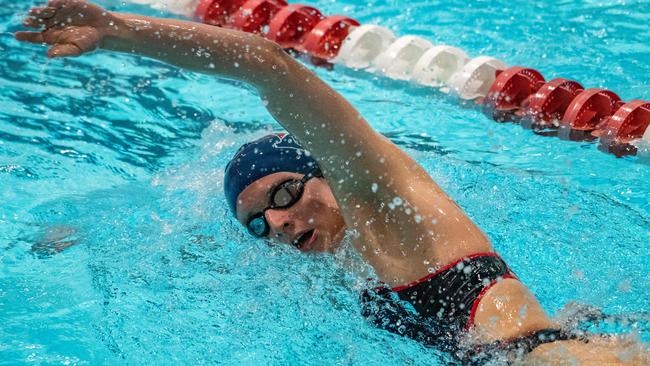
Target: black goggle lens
{"type": "Point", "coordinates": [287, 194]}
{"type": "Point", "coordinates": [284, 196]}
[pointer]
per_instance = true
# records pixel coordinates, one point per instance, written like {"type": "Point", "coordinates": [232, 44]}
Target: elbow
{"type": "Point", "coordinates": [250, 59]}
{"type": "Point", "coordinates": [270, 62]}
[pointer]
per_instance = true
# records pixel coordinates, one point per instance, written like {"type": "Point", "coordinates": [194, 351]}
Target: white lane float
{"type": "Point", "coordinates": [475, 78]}
{"type": "Point", "coordinates": [437, 65]}
{"type": "Point", "coordinates": [362, 46]}
{"type": "Point", "coordinates": [398, 60]}
{"type": "Point", "coordinates": [519, 94]}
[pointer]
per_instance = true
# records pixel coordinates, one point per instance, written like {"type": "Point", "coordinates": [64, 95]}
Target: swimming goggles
{"type": "Point", "coordinates": [284, 195]}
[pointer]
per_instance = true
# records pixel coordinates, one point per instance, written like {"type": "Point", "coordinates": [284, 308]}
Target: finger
{"type": "Point", "coordinates": [31, 37]}
{"type": "Point", "coordinates": [43, 13]}
{"type": "Point", "coordinates": [63, 50]}
{"type": "Point", "coordinates": [84, 39]}
{"type": "Point", "coordinates": [50, 36]}
{"type": "Point", "coordinates": [32, 22]}
{"type": "Point", "coordinates": [54, 36]}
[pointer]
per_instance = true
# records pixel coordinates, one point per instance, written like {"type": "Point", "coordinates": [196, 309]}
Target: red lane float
{"type": "Point", "coordinates": [511, 91]}
{"type": "Point", "coordinates": [255, 15]}
{"type": "Point", "coordinates": [549, 103]}
{"type": "Point", "coordinates": [586, 112]}
{"type": "Point", "coordinates": [325, 39]}
{"type": "Point", "coordinates": [517, 93]}
{"type": "Point", "coordinates": [217, 12]}
{"type": "Point", "coordinates": [628, 124]}
{"type": "Point", "coordinates": [291, 23]}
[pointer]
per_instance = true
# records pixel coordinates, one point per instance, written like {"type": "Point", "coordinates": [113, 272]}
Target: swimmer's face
{"type": "Point", "coordinates": [313, 223]}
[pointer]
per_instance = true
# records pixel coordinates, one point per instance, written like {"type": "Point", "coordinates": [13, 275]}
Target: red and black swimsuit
{"type": "Point", "coordinates": [452, 293]}
{"type": "Point", "coordinates": [437, 309]}
{"type": "Point", "coordinates": [449, 296]}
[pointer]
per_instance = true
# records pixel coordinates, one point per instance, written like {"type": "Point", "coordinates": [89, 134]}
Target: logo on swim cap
{"type": "Point", "coordinates": [278, 152]}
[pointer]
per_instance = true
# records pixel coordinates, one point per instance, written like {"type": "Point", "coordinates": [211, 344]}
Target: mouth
{"type": "Point", "coordinates": [305, 239]}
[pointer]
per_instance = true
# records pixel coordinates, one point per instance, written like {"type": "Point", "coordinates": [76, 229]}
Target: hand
{"type": "Point", "coordinates": [71, 27]}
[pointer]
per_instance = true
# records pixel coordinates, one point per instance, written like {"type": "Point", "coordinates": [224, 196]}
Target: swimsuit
{"type": "Point", "coordinates": [452, 293]}
{"type": "Point", "coordinates": [449, 296]}
{"type": "Point", "coordinates": [437, 309]}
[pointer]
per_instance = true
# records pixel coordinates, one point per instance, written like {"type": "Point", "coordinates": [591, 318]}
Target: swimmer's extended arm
{"type": "Point", "coordinates": [367, 172]}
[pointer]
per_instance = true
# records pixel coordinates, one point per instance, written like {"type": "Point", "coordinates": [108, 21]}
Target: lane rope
{"type": "Point", "coordinates": [561, 107]}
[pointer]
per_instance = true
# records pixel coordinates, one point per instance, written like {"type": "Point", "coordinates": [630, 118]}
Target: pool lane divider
{"type": "Point", "coordinates": [560, 107]}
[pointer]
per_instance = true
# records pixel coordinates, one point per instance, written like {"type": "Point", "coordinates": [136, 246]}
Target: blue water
{"type": "Point", "coordinates": [124, 156]}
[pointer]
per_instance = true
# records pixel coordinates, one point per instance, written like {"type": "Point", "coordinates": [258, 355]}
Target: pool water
{"type": "Point", "coordinates": [124, 156]}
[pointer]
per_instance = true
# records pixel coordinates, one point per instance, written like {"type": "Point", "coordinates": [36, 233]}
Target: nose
{"type": "Point", "coordinates": [280, 222]}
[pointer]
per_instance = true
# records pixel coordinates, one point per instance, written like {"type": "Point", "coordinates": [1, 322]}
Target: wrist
{"type": "Point", "coordinates": [115, 30]}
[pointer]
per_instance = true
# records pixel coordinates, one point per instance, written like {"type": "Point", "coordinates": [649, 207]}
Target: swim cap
{"type": "Point", "coordinates": [278, 152]}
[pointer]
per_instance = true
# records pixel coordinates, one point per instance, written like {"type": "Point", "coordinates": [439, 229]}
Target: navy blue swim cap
{"type": "Point", "coordinates": [278, 152]}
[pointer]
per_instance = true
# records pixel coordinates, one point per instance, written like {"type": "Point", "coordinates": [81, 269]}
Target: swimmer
{"type": "Point", "coordinates": [334, 173]}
